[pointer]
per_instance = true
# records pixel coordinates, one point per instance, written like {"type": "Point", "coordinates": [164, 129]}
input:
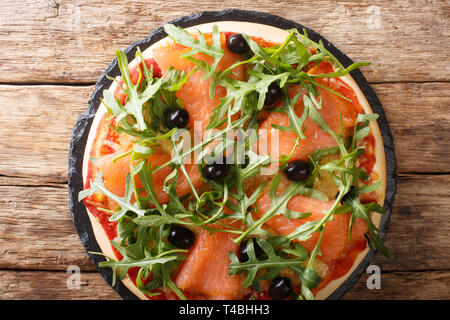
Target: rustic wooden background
{"type": "Point", "coordinates": [53, 51]}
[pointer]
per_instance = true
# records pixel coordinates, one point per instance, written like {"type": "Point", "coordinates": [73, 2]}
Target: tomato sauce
{"type": "Point", "coordinates": [368, 159]}
{"type": "Point", "coordinates": [90, 203]}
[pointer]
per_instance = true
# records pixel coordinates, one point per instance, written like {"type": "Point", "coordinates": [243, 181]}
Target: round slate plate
{"type": "Point", "coordinates": [81, 131]}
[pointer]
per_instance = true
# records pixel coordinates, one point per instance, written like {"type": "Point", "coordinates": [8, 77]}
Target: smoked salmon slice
{"type": "Point", "coordinates": [114, 175]}
{"type": "Point", "coordinates": [194, 95]}
{"type": "Point", "coordinates": [205, 271]}
{"type": "Point", "coordinates": [334, 240]}
{"type": "Point", "coordinates": [333, 107]}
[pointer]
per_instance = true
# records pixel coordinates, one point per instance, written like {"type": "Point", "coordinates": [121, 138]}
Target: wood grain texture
{"type": "Point", "coordinates": [405, 286]}
{"type": "Point", "coordinates": [419, 117]}
{"type": "Point", "coordinates": [37, 230]}
{"type": "Point", "coordinates": [35, 129]}
{"type": "Point", "coordinates": [37, 121]}
{"type": "Point", "coordinates": [73, 41]}
{"type": "Point", "coordinates": [33, 236]}
{"type": "Point", "coordinates": [53, 285]}
{"type": "Point", "coordinates": [419, 230]}
{"type": "Point", "coordinates": [53, 50]}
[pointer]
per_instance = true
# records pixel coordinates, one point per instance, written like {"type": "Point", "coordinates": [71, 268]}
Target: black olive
{"type": "Point", "coordinates": [280, 288]}
{"type": "Point", "coordinates": [181, 237]}
{"type": "Point", "coordinates": [237, 44]}
{"type": "Point", "coordinates": [177, 118]}
{"type": "Point", "coordinates": [297, 170]}
{"type": "Point", "coordinates": [243, 255]}
{"type": "Point", "coordinates": [273, 93]}
{"type": "Point", "coordinates": [216, 171]}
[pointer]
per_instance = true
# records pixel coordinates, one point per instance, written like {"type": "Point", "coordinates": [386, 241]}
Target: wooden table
{"type": "Point", "coordinates": [53, 51]}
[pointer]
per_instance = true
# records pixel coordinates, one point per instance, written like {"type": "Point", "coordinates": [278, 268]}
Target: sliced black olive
{"type": "Point", "coordinates": [237, 44]}
{"type": "Point", "coordinates": [280, 288]}
{"type": "Point", "coordinates": [243, 255]}
{"type": "Point", "coordinates": [181, 237]}
{"type": "Point", "coordinates": [272, 94]}
{"type": "Point", "coordinates": [297, 170]}
{"type": "Point", "coordinates": [216, 171]}
{"type": "Point", "coordinates": [177, 118]}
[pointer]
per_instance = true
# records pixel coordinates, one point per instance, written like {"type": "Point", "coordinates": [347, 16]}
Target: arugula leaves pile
{"type": "Point", "coordinates": [144, 223]}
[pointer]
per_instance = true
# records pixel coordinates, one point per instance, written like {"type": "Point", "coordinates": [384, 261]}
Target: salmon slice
{"type": "Point", "coordinates": [194, 95]}
{"type": "Point", "coordinates": [333, 107]}
{"type": "Point", "coordinates": [334, 240]}
{"type": "Point", "coordinates": [205, 271]}
{"type": "Point", "coordinates": [114, 175]}
{"type": "Point", "coordinates": [195, 99]}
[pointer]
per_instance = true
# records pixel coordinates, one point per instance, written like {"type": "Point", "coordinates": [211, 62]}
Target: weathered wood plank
{"type": "Point", "coordinates": [37, 232]}
{"type": "Point", "coordinates": [420, 123]}
{"type": "Point", "coordinates": [73, 41]}
{"type": "Point", "coordinates": [53, 285]}
{"type": "Point", "coordinates": [36, 124]}
{"type": "Point", "coordinates": [430, 285]}
{"type": "Point", "coordinates": [37, 121]}
{"type": "Point", "coordinates": [419, 231]}
{"type": "Point", "coordinates": [44, 285]}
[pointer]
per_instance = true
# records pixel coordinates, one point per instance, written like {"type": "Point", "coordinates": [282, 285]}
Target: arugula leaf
{"type": "Point", "coordinates": [273, 264]}
{"type": "Point", "coordinates": [241, 210]}
{"type": "Point", "coordinates": [199, 45]}
{"type": "Point", "coordinates": [278, 203]}
{"type": "Point", "coordinates": [274, 261]}
{"type": "Point", "coordinates": [239, 90]}
{"type": "Point", "coordinates": [178, 158]}
{"type": "Point", "coordinates": [124, 202]}
{"type": "Point", "coordinates": [135, 97]}
{"type": "Point", "coordinates": [162, 272]}
{"type": "Point", "coordinates": [363, 211]}
{"type": "Point", "coordinates": [147, 262]}
{"type": "Point", "coordinates": [296, 124]}
{"type": "Point", "coordinates": [304, 232]}
{"type": "Point", "coordinates": [175, 80]}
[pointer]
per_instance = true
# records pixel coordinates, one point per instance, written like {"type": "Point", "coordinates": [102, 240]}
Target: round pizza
{"type": "Point", "coordinates": [234, 160]}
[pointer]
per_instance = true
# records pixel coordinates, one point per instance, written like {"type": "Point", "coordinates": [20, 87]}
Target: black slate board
{"type": "Point", "coordinates": [83, 124]}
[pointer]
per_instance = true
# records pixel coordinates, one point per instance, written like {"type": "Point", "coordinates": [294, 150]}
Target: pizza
{"type": "Point", "coordinates": [234, 160]}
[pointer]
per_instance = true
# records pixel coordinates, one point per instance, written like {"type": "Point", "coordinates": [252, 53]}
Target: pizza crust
{"type": "Point", "coordinates": [274, 35]}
